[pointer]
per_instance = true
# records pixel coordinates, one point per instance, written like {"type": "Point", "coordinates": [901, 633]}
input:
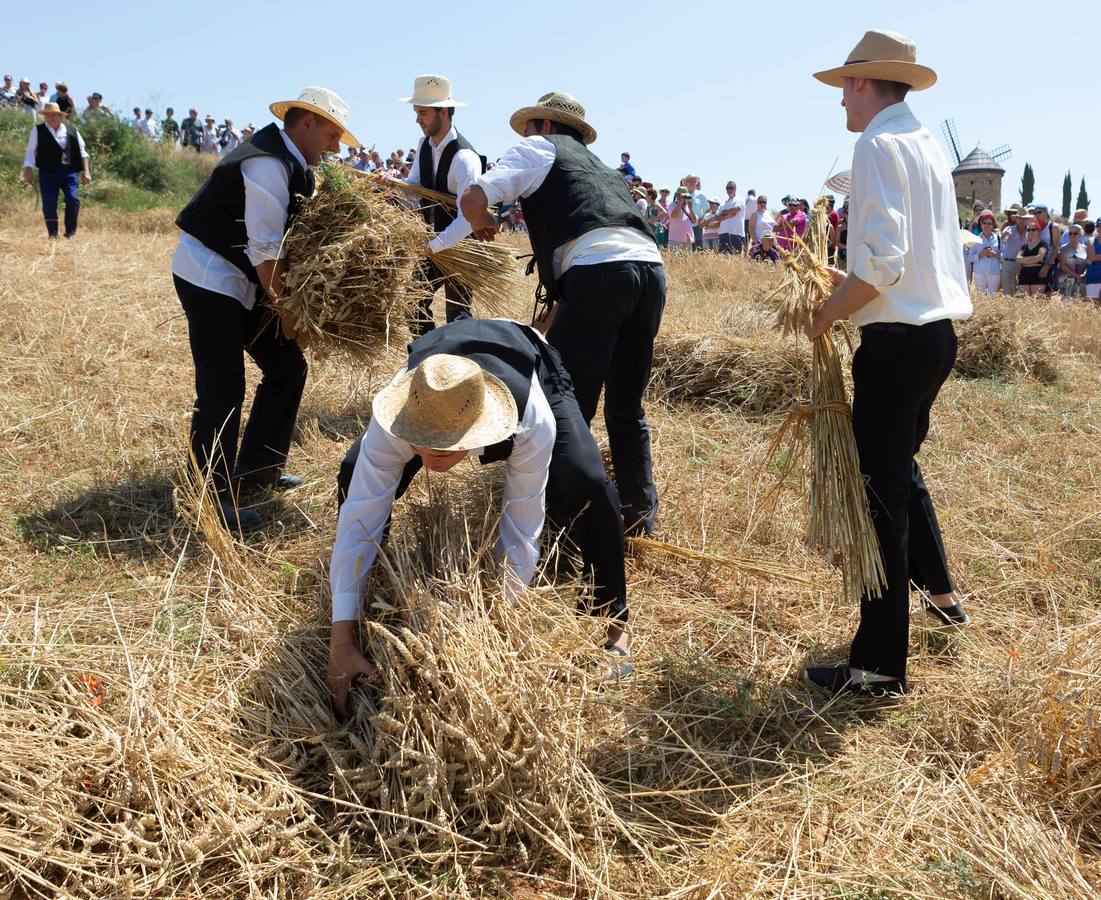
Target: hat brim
{"type": "Point", "coordinates": [917, 77]}
{"type": "Point", "coordinates": [280, 109]}
{"type": "Point", "coordinates": [498, 420]}
{"type": "Point", "coordinates": [435, 104]}
{"type": "Point", "coordinates": [519, 121]}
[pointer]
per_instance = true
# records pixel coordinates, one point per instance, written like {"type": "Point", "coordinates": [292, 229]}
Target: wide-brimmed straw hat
{"type": "Point", "coordinates": [447, 403]}
{"type": "Point", "coordinates": [52, 108]}
{"type": "Point", "coordinates": [884, 56]}
{"type": "Point", "coordinates": [323, 102]}
{"type": "Point", "coordinates": [557, 107]}
{"type": "Point", "coordinates": [432, 90]}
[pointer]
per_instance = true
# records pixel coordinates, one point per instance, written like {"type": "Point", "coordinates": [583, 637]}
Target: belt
{"type": "Point", "coordinates": [889, 327]}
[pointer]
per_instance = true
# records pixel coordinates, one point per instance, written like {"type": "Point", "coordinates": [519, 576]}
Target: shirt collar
{"type": "Point", "coordinates": [894, 111]}
{"type": "Point", "coordinates": [58, 132]}
{"type": "Point", "coordinates": [294, 150]}
{"type": "Point", "coordinates": [451, 135]}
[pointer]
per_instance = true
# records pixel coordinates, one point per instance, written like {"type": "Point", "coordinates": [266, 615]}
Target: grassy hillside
{"type": "Point", "coordinates": [164, 726]}
{"type": "Point", "coordinates": [128, 173]}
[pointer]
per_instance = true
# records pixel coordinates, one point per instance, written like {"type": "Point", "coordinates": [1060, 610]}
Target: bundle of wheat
{"type": "Point", "coordinates": [840, 519]}
{"type": "Point", "coordinates": [356, 269]}
{"type": "Point", "coordinates": [720, 369]}
{"type": "Point", "coordinates": [998, 342]}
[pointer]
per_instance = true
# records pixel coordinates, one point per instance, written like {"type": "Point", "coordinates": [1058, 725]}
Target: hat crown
{"type": "Point", "coordinates": [446, 395]}
{"type": "Point", "coordinates": [883, 46]}
{"type": "Point", "coordinates": [431, 89]}
{"type": "Point", "coordinates": [561, 102]}
{"type": "Point", "coordinates": [52, 108]}
{"type": "Point", "coordinates": [328, 101]}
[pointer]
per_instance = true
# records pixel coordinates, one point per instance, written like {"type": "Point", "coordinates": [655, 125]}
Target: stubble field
{"type": "Point", "coordinates": [163, 730]}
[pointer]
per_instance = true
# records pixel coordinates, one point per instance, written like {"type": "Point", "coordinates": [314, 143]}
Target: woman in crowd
{"type": "Point", "coordinates": [657, 217]}
{"type": "Point", "coordinates": [984, 264]}
{"type": "Point", "coordinates": [1031, 258]}
{"type": "Point", "coordinates": [791, 222]}
{"type": "Point", "coordinates": [760, 219]}
{"type": "Point", "coordinates": [1093, 265]}
{"type": "Point", "coordinates": [1072, 263]}
{"type": "Point", "coordinates": [681, 220]}
{"type": "Point", "coordinates": [976, 211]}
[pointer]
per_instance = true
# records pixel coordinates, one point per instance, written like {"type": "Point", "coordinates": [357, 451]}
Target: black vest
{"type": "Point", "coordinates": [579, 194]}
{"type": "Point", "coordinates": [49, 157]}
{"type": "Point", "coordinates": [437, 215]}
{"type": "Point", "coordinates": [505, 349]}
{"type": "Point", "coordinates": [216, 214]}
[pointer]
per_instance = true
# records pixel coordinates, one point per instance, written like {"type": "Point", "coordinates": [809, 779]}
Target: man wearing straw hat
{"type": "Point", "coordinates": [445, 162]}
{"type": "Point", "coordinates": [496, 390]}
{"type": "Point", "coordinates": [598, 260]}
{"type": "Point", "coordinates": [57, 150]}
{"type": "Point", "coordinates": [906, 284]}
{"type": "Point", "coordinates": [228, 262]}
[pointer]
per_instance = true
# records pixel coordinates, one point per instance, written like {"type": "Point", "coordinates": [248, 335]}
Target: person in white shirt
{"type": "Point", "coordinates": [731, 221]}
{"type": "Point", "coordinates": [229, 260]}
{"type": "Point", "coordinates": [208, 142]}
{"type": "Point", "coordinates": [148, 127]}
{"type": "Point", "coordinates": [906, 284]}
{"type": "Point", "coordinates": [58, 152]}
{"type": "Point", "coordinates": [445, 161]}
{"type": "Point", "coordinates": [984, 258]}
{"type": "Point", "coordinates": [231, 137]}
{"type": "Point", "coordinates": [600, 274]}
{"type": "Point", "coordinates": [497, 391]}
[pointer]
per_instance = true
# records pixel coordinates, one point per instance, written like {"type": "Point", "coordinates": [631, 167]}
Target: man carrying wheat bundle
{"type": "Point", "coordinates": [446, 162]}
{"type": "Point", "coordinates": [228, 265]}
{"type": "Point", "coordinates": [598, 260]}
{"type": "Point", "coordinates": [496, 388]}
{"type": "Point", "coordinates": [906, 284]}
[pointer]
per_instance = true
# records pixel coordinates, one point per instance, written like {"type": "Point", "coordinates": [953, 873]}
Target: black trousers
{"type": "Point", "coordinates": [731, 243]}
{"type": "Point", "coordinates": [220, 331]}
{"type": "Point", "coordinates": [897, 372]}
{"type": "Point", "coordinates": [458, 301]}
{"type": "Point", "coordinates": [582, 502]}
{"type": "Point", "coordinates": [608, 315]}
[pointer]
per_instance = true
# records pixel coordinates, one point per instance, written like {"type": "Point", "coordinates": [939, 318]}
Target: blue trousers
{"type": "Point", "coordinates": [66, 182]}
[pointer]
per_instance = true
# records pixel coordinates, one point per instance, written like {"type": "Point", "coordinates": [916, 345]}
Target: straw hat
{"type": "Point", "coordinates": [447, 403]}
{"type": "Point", "coordinates": [431, 90]}
{"type": "Point", "coordinates": [323, 102]}
{"type": "Point", "coordinates": [52, 108]}
{"type": "Point", "coordinates": [557, 107]}
{"type": "Point", "coordinates": [885, 56]}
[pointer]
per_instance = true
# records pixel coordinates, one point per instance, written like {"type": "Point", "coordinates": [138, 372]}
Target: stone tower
{"type": "Point", "coordinates": [979, 177]}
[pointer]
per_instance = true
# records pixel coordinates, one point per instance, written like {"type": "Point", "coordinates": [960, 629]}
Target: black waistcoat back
{"type": "Point", "coordinates": [435, 214]}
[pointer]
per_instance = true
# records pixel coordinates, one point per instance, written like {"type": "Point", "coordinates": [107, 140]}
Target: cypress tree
{"type": "Point", "coordinates": [1066, 195]}
{"type": "Point", "coordinates": [1028, 185]}
{"type": "Point", "coordinates": [1083, 201]}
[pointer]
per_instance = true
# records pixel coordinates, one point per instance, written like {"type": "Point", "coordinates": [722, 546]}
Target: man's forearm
{"type": "Point", "coordinates": [474, 204]}
{"type": "Point", "coordinates": [272, 273]}
{"type": "Point", "coordinates": [342, 633]}
{"type": "Point", "coordinates": [852, 294]}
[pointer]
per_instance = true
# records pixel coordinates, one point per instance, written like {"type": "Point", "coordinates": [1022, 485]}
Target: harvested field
{"type": "Point", "coordinates": [164, 723]}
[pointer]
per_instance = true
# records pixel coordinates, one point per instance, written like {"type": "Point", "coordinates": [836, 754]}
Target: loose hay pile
{"type": "Point", "coordinates": [999, 342]}
{"type": "Point", "coordinates": [719, 369]}
{"type": "Point", "coordinates": [356, 273]}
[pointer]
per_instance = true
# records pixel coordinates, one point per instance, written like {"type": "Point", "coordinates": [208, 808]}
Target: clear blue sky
{"type": "Point", "coordinates": [719, 89]}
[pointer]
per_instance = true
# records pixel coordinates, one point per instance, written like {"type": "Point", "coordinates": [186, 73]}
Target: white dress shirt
{"type": "Point", "coordinates": [375, 480]}
{"type": "Point", "coordinates": [62, 138]}
{"type": "Point", "coordinates": [267, 196]}
{"type": "Point", "coordinates": [465, 167]}
{"type": "Point", "coordinates": [522, 171]}
{"type": "Point", "coordinates": [903, 224]}
{"type": "Point", "coordinates": [736, 223]}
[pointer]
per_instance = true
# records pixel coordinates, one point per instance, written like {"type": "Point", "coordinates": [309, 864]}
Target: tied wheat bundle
{"type": "Point", "coordinates": [357, 272]}
{"type": "Point", "coordinates": [840, 521]}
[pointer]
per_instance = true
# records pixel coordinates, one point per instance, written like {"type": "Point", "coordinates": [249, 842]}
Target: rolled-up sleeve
{"type": "Point", "coordinates": [363, 517]}
{"type": "Point", "coordinates": [523, 503]}
{"type": "Point", "coordinates": [267, 196]}
{"type": "Point", "coordinates": [520, 172]}
{"type": "Point", "coordinates": [877, 250]}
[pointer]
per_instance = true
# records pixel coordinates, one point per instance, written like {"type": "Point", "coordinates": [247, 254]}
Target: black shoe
{"type": "Point", "coordinates": [239, 520]}
{"type": "Point", "coordinates": [953, 615]}
{"type": "Point", "coordinates": [835, 680]}
{"type": "Point", "coordinates": [255, 484]}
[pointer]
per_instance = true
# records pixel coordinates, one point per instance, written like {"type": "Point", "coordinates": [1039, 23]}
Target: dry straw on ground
{"type": "Point", "coordinates": [356, 275]}
{"type": "Point", "coordinates": [164, 720]}
{"type": "Point", "coordinates": [998, 342]}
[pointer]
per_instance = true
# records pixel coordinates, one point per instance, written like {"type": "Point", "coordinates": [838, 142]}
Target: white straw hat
{"type": "Point", "coordinates": [884, 56]}
{"type": "Point", "coordinates": [557, 107]}
{"type": "Point", "coordinates": [447, 403]}
{"type": "Point", "coordinates": [325, 103]}
{"type": "Point", "coordinates": [431, 90]}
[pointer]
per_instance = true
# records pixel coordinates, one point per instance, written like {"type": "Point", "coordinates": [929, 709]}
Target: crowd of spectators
{"type": "Point", "coordinates": [1029, 253]}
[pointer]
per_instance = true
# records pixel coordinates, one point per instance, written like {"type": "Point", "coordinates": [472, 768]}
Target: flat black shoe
{"type": "Point", "coordinates": [953, 615]}
{"type": "Point", "coordinates": [239, 520]}
{"type": "Point", "coordinates": [834, 680]}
